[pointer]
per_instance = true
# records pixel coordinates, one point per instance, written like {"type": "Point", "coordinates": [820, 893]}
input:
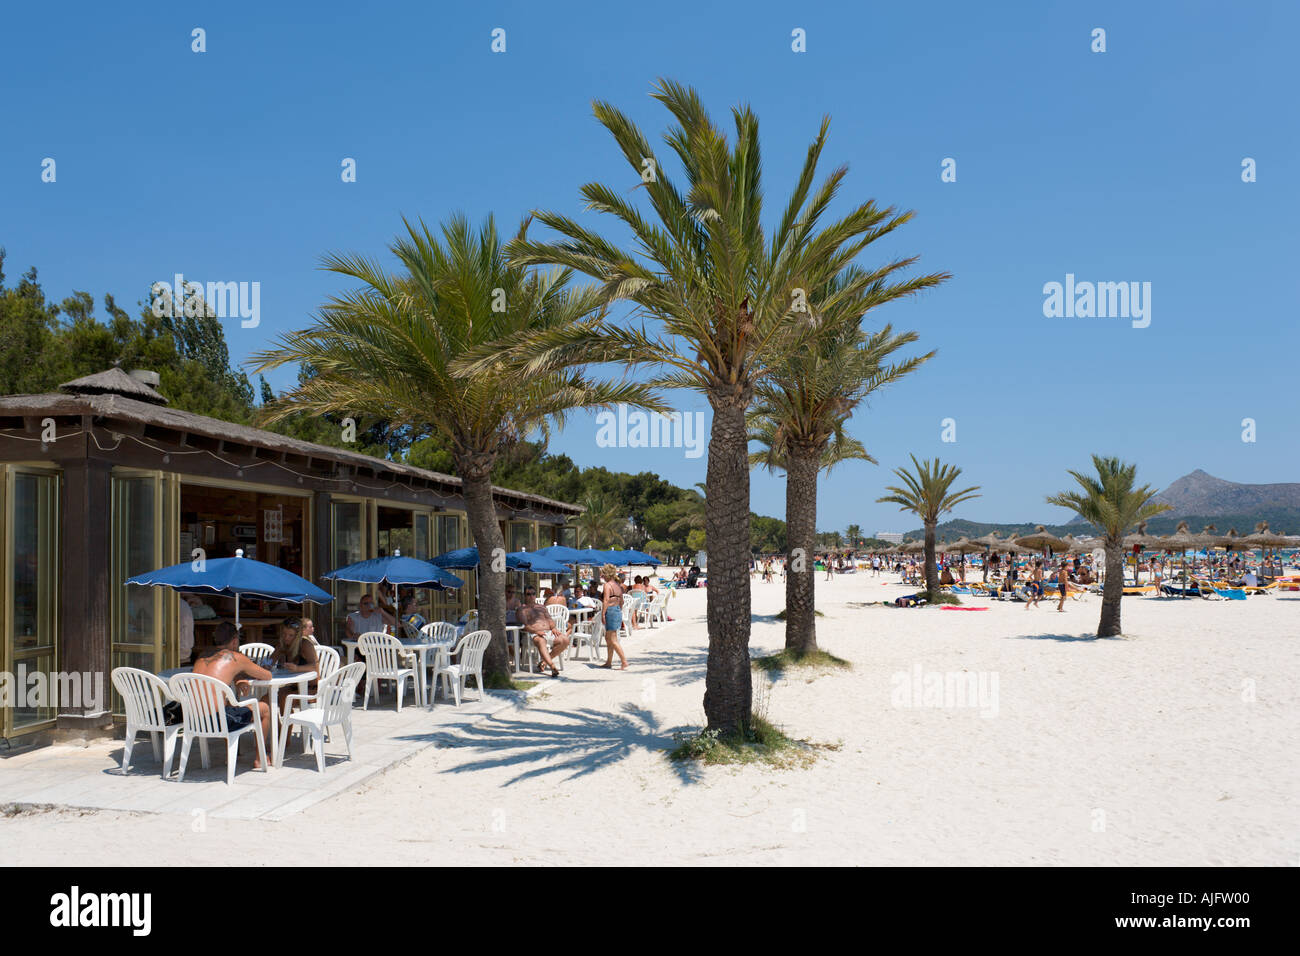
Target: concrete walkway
{"type": "Point", "coordinates": [91, 776]}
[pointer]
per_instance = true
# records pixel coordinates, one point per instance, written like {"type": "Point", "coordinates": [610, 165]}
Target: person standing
{"type": "Point", "coordinates": [1035, 584]}
{"type": "Point", "coordinates": [1063, 583]}
{"type": "Point", "coordinates": [612, 612]}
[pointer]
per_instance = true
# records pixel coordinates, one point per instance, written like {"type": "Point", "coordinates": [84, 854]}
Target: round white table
{"type": "Point", "coordinates": [280, 677]}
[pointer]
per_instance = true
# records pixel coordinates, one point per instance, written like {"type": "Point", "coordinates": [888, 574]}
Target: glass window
{"type": "Point", "coordinates": [33, 583]}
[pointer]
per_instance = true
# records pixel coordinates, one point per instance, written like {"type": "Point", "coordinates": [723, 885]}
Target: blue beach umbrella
{"type": "Point", "coordinates": [397, 570]}
{"type": "Point", "coordinates": [466, 559]}
{"type": "Point", "coordinates": [234, 577]}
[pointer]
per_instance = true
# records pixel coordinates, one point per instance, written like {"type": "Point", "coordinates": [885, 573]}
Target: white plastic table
{"type": "Point", "coordinates": [280, 677]}
{"type": "Point", "coordinates": [422, 648]}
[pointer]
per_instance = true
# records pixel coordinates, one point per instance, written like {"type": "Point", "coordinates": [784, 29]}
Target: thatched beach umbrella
{"type": "Point", "coordinates": [1263, 539]}
{"type": "Point", "coordinates": [1041, 538]}
{"type": "Point", "coordinates": [1183, 539]}
{"type": "Point", "coordinates": [912, 547]}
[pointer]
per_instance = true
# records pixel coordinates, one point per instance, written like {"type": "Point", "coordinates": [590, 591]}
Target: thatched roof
{"type": "Point", "coordinates": [113, 407]}
{"type": "Point", "coordinates": [113, 382]}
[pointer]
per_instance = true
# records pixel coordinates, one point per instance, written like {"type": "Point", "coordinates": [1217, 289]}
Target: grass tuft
{"type": "Point", "coordinates": [761, 742]}
{"type": "Point", "coordinates": [790, 657]}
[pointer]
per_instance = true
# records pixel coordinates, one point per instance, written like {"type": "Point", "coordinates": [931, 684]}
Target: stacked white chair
{"type": "Point", "coordinates": [144, 696]}
{"type": "Point", "coordinates": [383, 654]}
{"type": "Point", "coordinates": [203, 702]}
{"type": "Point", "coordinates": [330, 706]}
{"type": "Point", "coordinates": [327, 661]}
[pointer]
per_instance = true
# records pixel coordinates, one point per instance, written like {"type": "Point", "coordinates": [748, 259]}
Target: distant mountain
{"type": "Point", "coordinates": [1201, 499]}
{"type": "Point", "coordinates": [1198, 498]}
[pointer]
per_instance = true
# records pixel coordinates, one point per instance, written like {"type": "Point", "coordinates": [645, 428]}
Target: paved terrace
{"type": "Point", "coordinates": [91, 776]}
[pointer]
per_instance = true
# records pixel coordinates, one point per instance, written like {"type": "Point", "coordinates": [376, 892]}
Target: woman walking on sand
{"type": "Point", "coordinates": [612, 602]}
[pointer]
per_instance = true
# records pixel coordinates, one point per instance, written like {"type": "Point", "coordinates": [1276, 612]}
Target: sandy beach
{"type": "Point", "coordinates": [1171, 746]}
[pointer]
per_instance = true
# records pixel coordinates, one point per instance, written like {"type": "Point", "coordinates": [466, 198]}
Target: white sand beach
{"type": "Point", "coordinates": [1174, 745]}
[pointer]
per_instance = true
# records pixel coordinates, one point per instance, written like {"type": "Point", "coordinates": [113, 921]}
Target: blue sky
{"type": "Point", "coordinates": [1115, 166]}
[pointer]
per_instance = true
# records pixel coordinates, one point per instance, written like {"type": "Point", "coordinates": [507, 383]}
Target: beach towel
{"type": "Point", "coordinates": [954, 607]}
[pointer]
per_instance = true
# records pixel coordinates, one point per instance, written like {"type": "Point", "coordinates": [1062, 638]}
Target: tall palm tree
{"type": "Point", "coordinates": [387, 349]}
{"type": "Point", "coordinates": [802, 407]}
{"type": "Point", "coordinates": [600, 525]}
{"type": "Point", "coordinates": [928, 495]}
{"type": "Point", "coordinates": [854, 534]}
{"type": "Point", "coordinates": [1111, 503]}
{"type": "Point", "coordinates": [728, 298]}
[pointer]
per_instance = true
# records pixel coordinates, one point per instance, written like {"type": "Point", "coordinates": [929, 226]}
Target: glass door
{"type": "Point", "coordinates": [137, 612]}
{"type": "Point", "coordinates": [347, 546]}
{"type": "Point", "coordinates": [30, 587]}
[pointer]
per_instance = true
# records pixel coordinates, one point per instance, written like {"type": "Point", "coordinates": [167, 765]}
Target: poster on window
{"type": "Point", "coordinates": [273, 526]}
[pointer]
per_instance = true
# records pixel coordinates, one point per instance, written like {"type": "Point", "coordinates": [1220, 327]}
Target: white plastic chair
{"type": "Point", "coordinates": [470, 651]}
{"type": "Point", "coordinates": [631, 600]}
{"type": "Point", "coordinates": [383, 654]}
{"type": "Point", "coordinates": [259, 654]}
{"type": "Point", "coordinates": [589, 633]}
{"type": "Point", "coordinates": [144, 695]}
{"type": "Point", "coordinates": [203, 705]}
{"type": "Point", "coordinates": [330, 706]}
{"type": "Point", "coordinates": [327, 661]}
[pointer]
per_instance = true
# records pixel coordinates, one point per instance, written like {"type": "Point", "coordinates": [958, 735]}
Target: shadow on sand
{"type": "Point", "coordinates": [571, 743]}
{"type": "Point", "coordinates": [1065, 638]}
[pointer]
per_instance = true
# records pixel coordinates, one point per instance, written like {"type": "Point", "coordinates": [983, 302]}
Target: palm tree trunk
{"type": "Point", "coordinates": [476, 484]}
{"type": "Point", "coordinates": [931, 565]}
{"type": "Point", "coordinates": [802, 465]}
{"type": "Point", "coordinates": [728, 691]}
{"type": "Point", "coordinates": [1112, 592]}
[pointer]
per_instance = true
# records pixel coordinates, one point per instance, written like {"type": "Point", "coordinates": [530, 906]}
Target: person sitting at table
{"type": "Point", "coordinates": [228, 665]}
{"type": "Point", "coordinates": [550, 597]}
{"type": "Point", "coordinates": [411, 618]}
{"type": "Point", "coordinates": [512, 605]}
{"type": "Point", "coordinates": [537, 625]}
{"type": "Point", "coordinates": [367, 618]}
{"type": "Point", "coordinates": [294, 652]}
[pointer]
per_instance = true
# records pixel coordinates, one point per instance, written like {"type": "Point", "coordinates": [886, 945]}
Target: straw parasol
{"type": "Point", "coordinates": [1181, 540]}
{"type": "Point", "coordinates": [1263, 539]}
{"type": "Point", "coordinates": [964, 545]}
{"type": "Point", "coordinates": [913, 547]}
{"type": "Point", "coordinates": [1041, 538]}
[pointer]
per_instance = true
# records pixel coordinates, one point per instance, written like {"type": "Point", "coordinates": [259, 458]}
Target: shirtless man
{"type": "Point", "coordinates": [1063, 583]}
{"type": "Point", "coordinates": [537, 624]}
{"type": "Point", "coordinates": [1035, 584]}
{"type": "Point", "coordinates": [226, 664]}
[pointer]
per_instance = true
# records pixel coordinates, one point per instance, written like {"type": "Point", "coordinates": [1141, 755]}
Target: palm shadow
{"type": "Point", "coordinates": [571, 743]}
{"type": "Point", "coordinates": [1065, 638]}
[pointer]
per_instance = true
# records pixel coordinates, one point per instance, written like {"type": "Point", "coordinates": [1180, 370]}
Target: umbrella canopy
{"type": "Point", "coordinates": [562, 554]}
{"type": "Point", "coordinates": [396, 569]}
{"type": "Point", "coordinates": [1183, 538]}
{"type": "Point", "coordinates": [633, 557]}
{"type": "Point", "coordinates": [235, 577]}
{"type": "Point", "coordinates": [1263, 538]}
{"type": "Point", "coordinates": [1229, 542]}
{"type": "Point", "coordinates": [466, 559]}
{"type": "Point", "coordinates": [1041, 538]}
{"type": "Point", "coordinates": [912, 547]}
{"type": "Point", "coordinates": [964, 546]}
{"type": "Point", "coordinates": [537, 563]}
{"type": "Point", "coordinates": [1140, 539]}
{"type": "Point", "coordinates": [989, 541]}
{"type": "Point", "coordinates": [1080, 545]}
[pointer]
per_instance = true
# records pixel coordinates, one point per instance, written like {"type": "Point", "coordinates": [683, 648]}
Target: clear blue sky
{"type": "Point", "coordinates": [1115, 166]}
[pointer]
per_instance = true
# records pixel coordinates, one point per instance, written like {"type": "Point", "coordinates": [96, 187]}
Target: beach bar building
{"type": "Point", "coordinates": [101, 480]}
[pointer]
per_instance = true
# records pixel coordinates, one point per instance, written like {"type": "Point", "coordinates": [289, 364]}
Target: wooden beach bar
{"type": "Point", "coordinates": [101, 480]}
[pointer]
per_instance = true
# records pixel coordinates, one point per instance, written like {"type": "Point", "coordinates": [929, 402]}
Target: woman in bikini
{"type": "Point", "coordinates": [612, 605]}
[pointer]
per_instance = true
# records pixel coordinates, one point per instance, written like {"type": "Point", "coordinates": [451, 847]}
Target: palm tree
{"type": "Point", "coordinates": [927, 495]}
{"type": "Point", "coordinates": [692, 508]}
{"type": "Point", "coordinates": [600, 525]}
{"type": "Point", "coordinates": [386, 349]}
{"type": "Point", "coordinates": [854, 533]}
{"type": "Point", "coordinates": [1112, 505]}
{"type": "Point", "coordinates": [729, 298]}
{"type": "Point", "coordinates": [800, 415]}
